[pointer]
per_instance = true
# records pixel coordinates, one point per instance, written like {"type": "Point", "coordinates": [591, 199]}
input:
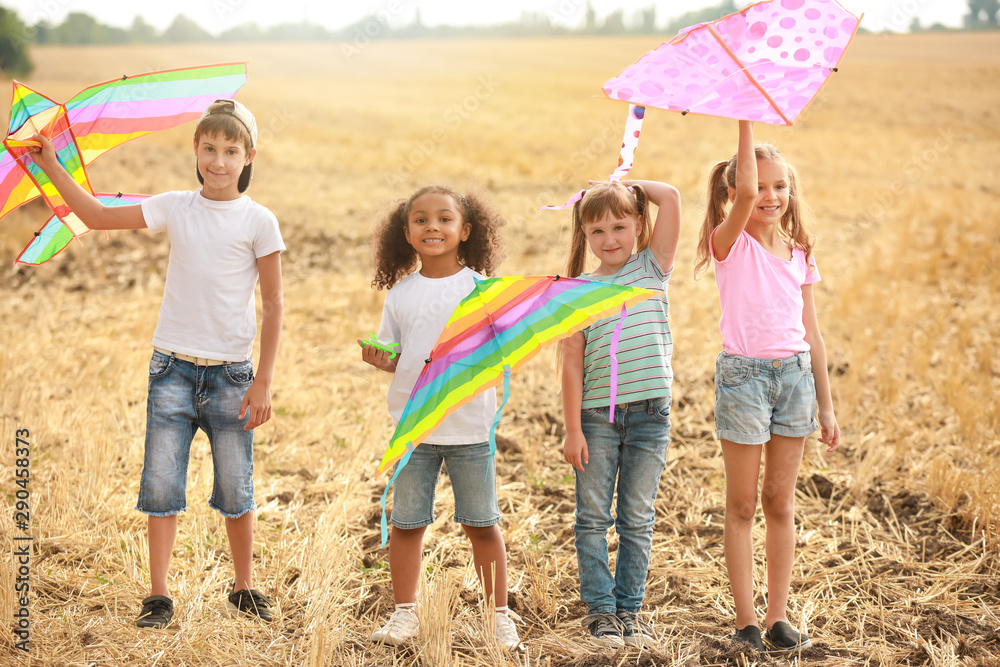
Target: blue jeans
{"type": "Point", "coordinates": [183, 398]}
{"type": "Point", "coordinates": [633, 449]}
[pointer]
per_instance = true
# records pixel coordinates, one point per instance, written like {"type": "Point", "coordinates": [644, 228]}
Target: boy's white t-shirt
{"type": "Point", "coordinates": [415, 313]}
{"type": "Point", "coordinates": [208, 300]}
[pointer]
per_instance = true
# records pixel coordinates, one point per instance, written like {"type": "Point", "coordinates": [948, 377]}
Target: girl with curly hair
{"type": "Point", "coordinates": [455, 238]}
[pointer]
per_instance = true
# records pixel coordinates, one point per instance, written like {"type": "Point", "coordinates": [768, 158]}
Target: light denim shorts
{"type": "Point", "coordinates": [183, 398]}
{"type": "Point", "coordinates": [473, 476]}
{"type": "Point", "coordinates": [757, 397]}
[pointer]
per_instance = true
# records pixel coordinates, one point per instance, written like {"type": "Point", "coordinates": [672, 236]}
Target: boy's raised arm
{"type": "Point", "coordinates": [93, 213]}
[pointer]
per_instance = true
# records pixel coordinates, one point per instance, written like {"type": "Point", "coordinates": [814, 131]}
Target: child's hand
{"type": "Point", "coordinates": [830, 435]}
{"type": "Point", "coordinates": [43, 154]}
{"type": "Point", "coordinates": [376, 357]}
{"type": "Point", "coordinates": [575, 450]}
{"type": "Point", "coordinates": [257, 404]}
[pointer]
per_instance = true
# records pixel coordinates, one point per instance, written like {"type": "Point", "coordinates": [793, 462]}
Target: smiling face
{"type": "Point", "coordinates": [434, 227]}
{"type": "Point", "coordinates": [220, 163]}
{"type": "Point", "coordinates": [612, 241]}
{"type": "Point", "coordinates": [772, 192]}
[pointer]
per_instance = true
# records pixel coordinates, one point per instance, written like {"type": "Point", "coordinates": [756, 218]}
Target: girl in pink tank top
{"type": "Point", "coordinates": [766, 392]}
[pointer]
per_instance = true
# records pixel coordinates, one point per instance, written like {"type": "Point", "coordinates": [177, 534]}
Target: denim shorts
{"type": "Point", "coordinates": [757, 397]}
{"type": "Point", "coordinates": [183, 398]}
{"type": "Point", "coordinates": [473, 476]}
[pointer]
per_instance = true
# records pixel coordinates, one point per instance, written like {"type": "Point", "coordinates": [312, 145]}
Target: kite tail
{"type": "Point", "coordinates": [572, 200]}
{"type": "Point", "coordinates": [399, 466]}
{"type": "Point", "coordinates": [496, 420]}
{"type": "Point", "coordinates": [614, 364]}
{"type": "Point", "coordinates": [633, 124]}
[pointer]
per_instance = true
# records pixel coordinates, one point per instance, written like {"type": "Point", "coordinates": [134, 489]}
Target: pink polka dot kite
{"type": "Point", "coordinates": [765, 63]}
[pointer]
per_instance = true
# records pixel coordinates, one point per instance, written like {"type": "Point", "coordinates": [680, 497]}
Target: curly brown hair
{"type": "Point", "coordinates": [482, 251]}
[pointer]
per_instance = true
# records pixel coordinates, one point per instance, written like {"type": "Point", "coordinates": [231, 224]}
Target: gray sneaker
{"type": "Point", "coordinates": [635, 631]}
{"type": "Point", "coordinates": [605, 630]}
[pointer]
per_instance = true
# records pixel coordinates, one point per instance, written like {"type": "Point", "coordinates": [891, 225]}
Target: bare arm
{"type": "Point", "coordinates": [830, 435]}
{"type": "Point", "coordinates": [667, 226]}
{"type": "Point", "coordinates": [257, 401]}
{"type": "Point", "coordinates": [743, 198]}
{"type": "Point", "coordinates": [93, 213]}
{"type": "Point", "coordinates": [575, 447]}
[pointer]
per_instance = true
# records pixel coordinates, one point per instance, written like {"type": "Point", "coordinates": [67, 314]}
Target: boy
{"type": "Point", "coordinates": [201, 373]}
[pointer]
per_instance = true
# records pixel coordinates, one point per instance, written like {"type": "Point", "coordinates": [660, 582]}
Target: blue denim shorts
{"type": "Point", "coordinates": [757, 397]}
{"type": "Point", "coordinates": [183, 398]}
{"type": "Point", "coordinates": [473, 476]}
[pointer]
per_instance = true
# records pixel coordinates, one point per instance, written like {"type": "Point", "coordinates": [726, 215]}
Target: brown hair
{"type": "Point", "coordinates": [794, 225]}
{"type": "Point", "coordinates": [482, 251]}
{"type": "Point", "coordinates": [219, 120]}
{"type": "Point", "coordinates": [617, 199]}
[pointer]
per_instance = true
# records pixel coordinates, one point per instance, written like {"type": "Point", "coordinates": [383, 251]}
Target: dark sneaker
{"type": "Point", "coordinates": [783, 638]}
{"type": "Point", "coordinates": [157, 610]}
{"type": "Point", "coordinates": [635, 631]}
{"type": "Point", "coordinates": [750, 636]}
{"type": "Point", "coordinates": [249, 603]}
{"type": "Point", "coordinates": [605, 630]}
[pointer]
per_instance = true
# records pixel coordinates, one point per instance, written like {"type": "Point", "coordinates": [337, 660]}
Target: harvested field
{"type": "Point", "coordinates": [898, 531]}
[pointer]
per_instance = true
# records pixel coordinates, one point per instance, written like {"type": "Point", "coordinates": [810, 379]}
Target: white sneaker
{"type": "Point", "coordinates": [401, 627]}
{"type": "Point", "coordinates": [506, 632]}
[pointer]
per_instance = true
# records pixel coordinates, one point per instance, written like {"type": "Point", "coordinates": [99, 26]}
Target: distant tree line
{"type": "Point", "coordinates": [81, 28]}
{"type": "Point", "coordinates": [983, 14]}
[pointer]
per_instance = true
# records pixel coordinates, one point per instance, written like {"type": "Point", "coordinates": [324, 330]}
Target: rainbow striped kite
{"type": "Point", "coordinates": [499, 326]}
{"type": "Point", "coordinates": [93, 122]}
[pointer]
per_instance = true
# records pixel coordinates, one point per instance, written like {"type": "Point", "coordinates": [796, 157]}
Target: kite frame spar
{"type": "Point", "coordinates": [498, 327]}
{"type": "Point", "coordinates": [103, 128]}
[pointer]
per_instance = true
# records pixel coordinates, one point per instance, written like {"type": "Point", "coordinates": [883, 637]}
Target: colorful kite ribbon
{"type": "Point", "coordinates": [630, 141]}
{"type": "Point", "coordinates": [613, 353]}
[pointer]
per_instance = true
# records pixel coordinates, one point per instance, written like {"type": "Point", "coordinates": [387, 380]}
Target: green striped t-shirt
{"type": "Point", "coordinates": [645, 345]}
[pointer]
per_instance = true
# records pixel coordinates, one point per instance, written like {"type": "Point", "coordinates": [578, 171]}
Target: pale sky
{"type": "Point", "coordinates": [219, 15]}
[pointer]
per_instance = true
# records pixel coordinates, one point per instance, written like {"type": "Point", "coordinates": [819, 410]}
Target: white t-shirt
{"type": "Point", "coordinates": [208, 300]}
{"type": "Point", "coordinates": [415, 313]}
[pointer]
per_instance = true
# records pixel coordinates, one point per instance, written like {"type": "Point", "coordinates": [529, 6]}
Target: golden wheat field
{"type": "Point", "coordinates": [898, 530]}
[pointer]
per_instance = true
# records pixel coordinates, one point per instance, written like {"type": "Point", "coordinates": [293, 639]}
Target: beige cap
{"type": "Point", "coordinates": [242, 114]}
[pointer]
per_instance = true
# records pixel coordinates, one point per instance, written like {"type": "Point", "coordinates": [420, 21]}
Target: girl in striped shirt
{"type": "Point", "coordinates": [613, 219]}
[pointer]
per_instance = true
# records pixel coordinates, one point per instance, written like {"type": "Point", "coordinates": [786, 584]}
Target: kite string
{"type": "Point", "coordinates": [496, 419]}
{"type": "Point", "coordinates": [399, 467]}
{"type": "Point", "coordinates": [614, 365]}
